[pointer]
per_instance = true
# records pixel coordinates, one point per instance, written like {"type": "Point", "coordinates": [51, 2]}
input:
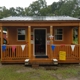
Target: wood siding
{"type": "Point", "coordinates": [12, 36]}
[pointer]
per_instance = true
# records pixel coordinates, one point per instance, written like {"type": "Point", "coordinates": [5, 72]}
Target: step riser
{"type": "Point", "coordinates": [40, 61]}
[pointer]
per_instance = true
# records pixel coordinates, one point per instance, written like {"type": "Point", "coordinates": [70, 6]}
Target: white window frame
{"type": "Point", "coordinates": [20, 34]}
{"type": "Point", "coordinates": [58, 34]}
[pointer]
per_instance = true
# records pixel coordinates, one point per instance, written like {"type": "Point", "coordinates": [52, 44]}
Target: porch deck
{"type": "Point", "coordinates": [19, 55]}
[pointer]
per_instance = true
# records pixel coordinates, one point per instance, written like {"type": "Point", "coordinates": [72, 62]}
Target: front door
{"type": "Point", "coordinates": [40, 42]}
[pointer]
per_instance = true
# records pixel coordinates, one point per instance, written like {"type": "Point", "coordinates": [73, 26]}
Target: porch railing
{"type": "Point", "coordinates": [70, 54]}
{"type": "Point", "coordinates": [20, 55]}
{"type": "Point", "coordinates": [14, 52]}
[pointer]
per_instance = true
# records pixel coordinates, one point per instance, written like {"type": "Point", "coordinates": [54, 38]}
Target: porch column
{"type": "Point", "coordinates": [29, 40]}
{"type": "Point", "coordinates": [79, 39]}
{"type": "Point", "coordinates": [51, 33]}
{"type": "Point", "coordinates": [1, 41]}
{"type": "Point", "coordinates": [51, 41]}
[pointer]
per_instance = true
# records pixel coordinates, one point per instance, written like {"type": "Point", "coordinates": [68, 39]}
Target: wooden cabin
{"type": "Point", "coordinates": [40, 40]}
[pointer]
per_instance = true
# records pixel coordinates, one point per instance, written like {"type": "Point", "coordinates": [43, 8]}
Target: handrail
{"type": "Point", "coordinates": [14, 45]}
{"type": "Point", "coordinates": [50, 44]}
{"type": "Point", "coordinates": [64, 44]}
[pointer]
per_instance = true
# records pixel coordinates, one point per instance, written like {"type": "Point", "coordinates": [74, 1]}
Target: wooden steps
{"type": "Point", "coordinates": [35, 66]}
{"type": "Point", "coordinates": [41, 61]}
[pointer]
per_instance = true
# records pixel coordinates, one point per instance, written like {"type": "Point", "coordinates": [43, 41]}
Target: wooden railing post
{"type": "Point", "coordinates": [79, 39]}
{"type": "Point", "coordinates": [51, 40]}
{"type": "Point", "coordinates": [29, 40]}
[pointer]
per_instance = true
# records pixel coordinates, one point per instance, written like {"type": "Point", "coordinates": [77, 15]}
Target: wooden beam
{"type": "Point", "coordinates": [39, 24]}
{"type": "Point", "coordinates": [29, 40]}
{"type": "Point", "coordinates": [51, 40]}
{"type": "Point", "coordinates": [51, 33]}
{"type": "Point", "coordinates": [7, 36]}
{"type": "Point", "coordinates": [72, 35]}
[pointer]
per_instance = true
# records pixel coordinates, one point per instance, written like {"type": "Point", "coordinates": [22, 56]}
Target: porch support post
{"type": "Point", "coordinates": [51, 33]}
{"type": "Point", "coordinates": [79, 39]}
{"type": "Point", "coordinates": [7, 36]}
{"type": "Point", "coordinates": [29, 40]}
{"type": "Point", "coordinates": [1, 41]}
{"type": "Point", "coordinates": [51, 41]}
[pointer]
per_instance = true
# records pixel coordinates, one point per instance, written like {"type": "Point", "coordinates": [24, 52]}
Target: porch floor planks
{"type": "Point", "coordinates": [41, 61]}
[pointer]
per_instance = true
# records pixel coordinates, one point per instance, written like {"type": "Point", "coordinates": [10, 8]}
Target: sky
{"type": "Point", "coordinates": [21, 3]}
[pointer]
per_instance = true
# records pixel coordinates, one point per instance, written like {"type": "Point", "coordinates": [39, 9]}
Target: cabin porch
{"type": "Point", "coordinates": [18, 55]}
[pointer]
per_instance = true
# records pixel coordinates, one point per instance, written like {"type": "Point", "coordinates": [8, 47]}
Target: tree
{"type": "Point", "coordinates": [35, 7]}
{"type": "Point", "coordinates": [12, 11]}
{"type": "Point", "coordinates": [5, 12]}
{"type": "Point", "coordinates": [56, 7]}
{"type": "Point", "coordinates": [66, 8]}
{"type": "Point", "coordinates": [20, 11]}
{"type": "Point", "coordinates": [1, 11]}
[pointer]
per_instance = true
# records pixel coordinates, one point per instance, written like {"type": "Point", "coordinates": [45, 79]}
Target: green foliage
{"type": "Point", "coordinates": [36, 8]}
{"type": "Point", "coordinates": [40, 8]}
{"type": "Point", "coordinates": [75, 41]}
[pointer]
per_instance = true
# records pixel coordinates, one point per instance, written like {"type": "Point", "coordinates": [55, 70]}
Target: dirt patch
{"type": "Point", "coordinates": [1, 65]}
{"type": "Point", "coordinates": [72, 79]}
{"type": "Point", "coordinates": [25, 70]}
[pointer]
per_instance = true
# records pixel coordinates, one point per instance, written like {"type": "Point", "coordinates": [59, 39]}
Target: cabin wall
{"type": "Point", "coordinates": [12, 36]}
{"type": "Point", "coordinates": [67, 35]}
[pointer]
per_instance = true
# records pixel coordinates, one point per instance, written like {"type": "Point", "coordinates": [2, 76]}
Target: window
{"type": "Point", "coordinates": [58, 34]}
{"type": "Point", "coordinates": [21, 34]}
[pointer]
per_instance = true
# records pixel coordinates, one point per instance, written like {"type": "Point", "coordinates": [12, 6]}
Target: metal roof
{"type": "Point", "coordinates": [38, 18]}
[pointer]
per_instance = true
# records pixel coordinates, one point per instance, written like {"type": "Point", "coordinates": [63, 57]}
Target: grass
{"type": "Point", "coordinates": [20, 72]}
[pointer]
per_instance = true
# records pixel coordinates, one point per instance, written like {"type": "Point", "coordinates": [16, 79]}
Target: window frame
{"type": "Point", "coordinates": [20, 34]}
{"type": "Point", "coordinates": [58, 34]}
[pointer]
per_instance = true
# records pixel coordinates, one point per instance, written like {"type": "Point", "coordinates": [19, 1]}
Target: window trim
{"type": "Point", "coordinates": [25, 34]}
{"type": "Point", "coordinates": [60, 34]}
